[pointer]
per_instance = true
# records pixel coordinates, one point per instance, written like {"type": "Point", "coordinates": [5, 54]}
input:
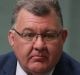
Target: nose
{"type": "Point", "coordinates": [39, 44]}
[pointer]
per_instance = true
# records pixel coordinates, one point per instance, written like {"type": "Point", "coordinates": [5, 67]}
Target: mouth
{"type": "Point", "coordinates": [38, 58]}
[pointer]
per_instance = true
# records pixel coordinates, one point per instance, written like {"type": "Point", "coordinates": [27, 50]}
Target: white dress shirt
{"type": "Point", "coordinates": [20, 71]}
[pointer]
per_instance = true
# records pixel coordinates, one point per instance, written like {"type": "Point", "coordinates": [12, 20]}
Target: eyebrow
{"type": "Point", "coordinates": [46, 30]}
{"type": "Point", "coordinates": [50, 30]}
{"type": "Point", "coordinates": [29, 29]}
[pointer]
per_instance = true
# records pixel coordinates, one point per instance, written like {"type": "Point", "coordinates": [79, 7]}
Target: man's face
{"type": "Point", "coordinates": [38, 54]}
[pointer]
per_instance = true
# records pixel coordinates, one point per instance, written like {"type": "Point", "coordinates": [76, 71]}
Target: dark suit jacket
{"type": "Point", "coordinates": [66, 65]}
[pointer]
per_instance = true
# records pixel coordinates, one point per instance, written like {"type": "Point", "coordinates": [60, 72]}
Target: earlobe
{"type": "Point", "coordinates": [11, 38]}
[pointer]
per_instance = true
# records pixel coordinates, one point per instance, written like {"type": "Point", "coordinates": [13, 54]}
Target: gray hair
{"type": "Point", "coordinates": [37, 7]}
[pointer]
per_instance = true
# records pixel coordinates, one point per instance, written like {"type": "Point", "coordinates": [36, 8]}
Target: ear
{"type": "Point", "coordinates": [64, 35]}
{"type": "Point", "coordinates": [11, 37]}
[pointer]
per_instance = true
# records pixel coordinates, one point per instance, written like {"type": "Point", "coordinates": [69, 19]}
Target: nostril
{"type": "Point", "coordinates": [37, 49]}
{"type": "Point", "coordinates": [40, 49]}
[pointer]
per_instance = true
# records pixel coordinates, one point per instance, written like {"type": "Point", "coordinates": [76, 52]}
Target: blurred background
{"type": "Point", "coordinates": [71, 15]}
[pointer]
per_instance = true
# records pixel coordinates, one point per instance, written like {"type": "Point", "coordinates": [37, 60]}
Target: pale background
{"type": "Point", "coordinates": [71, 16]}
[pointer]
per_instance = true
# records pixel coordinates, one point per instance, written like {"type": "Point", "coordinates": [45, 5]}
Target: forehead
{"type": "Point", "coordinates": [25, 19]}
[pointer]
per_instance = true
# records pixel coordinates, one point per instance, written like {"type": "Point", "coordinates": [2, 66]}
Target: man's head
{"type": "Point", "coordinates": [37, 35]}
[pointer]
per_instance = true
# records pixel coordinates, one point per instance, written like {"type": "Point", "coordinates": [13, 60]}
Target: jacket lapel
{"type": "Point", "coordinates": [63, 68]}
{"type": "Point", "coordinates": [10, 67]}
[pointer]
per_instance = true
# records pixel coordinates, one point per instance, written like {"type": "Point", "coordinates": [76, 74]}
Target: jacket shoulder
{"type": "Point", "coordinates": [71, 61]}
{"type": "Point", "coordinates": [5, 58]}
{"type": "Point", "coordinates": [67, 66]}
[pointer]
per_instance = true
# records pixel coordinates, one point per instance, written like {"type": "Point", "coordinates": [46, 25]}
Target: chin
{"type": "Point", "coordinates": [38, 67]}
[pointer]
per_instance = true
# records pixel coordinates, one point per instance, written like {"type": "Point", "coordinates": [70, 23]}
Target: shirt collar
{"type": "Point", "coordinates": [19, 70]}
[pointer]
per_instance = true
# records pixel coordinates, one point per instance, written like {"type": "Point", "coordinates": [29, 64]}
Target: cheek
{"type": "Point", "coordinates": [56, 46]}
{"type": "Point", "coordinates": [22, 50]}
{"type": "Point", "coordinates": [55, 51]}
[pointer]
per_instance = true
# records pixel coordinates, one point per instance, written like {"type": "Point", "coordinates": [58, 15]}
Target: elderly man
{"type": "Point", "coordinates": [37, 37]}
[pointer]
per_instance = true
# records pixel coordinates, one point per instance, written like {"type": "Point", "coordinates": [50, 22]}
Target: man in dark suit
{"type": "Point", "coordinates": [37, 37]}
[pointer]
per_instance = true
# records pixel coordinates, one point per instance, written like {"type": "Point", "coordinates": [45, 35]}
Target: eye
{"type": "Point", "coordinates": [28, 34]}
{"type": "Point", "coordinates": [50, 35]}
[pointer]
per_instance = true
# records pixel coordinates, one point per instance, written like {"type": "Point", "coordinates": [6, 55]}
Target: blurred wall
{"type": "Point", "coordinates": [71, 16]}
{"type": "Point", "coordinates": [6, 7]}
